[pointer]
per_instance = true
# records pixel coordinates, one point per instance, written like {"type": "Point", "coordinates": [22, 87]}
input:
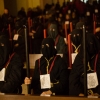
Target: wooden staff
{"type": "Point", "coordinates": [84, 61]}
{"type": "Point", "coordinates": [30, 23]}
{"type": "Point", "coordinates": [94, 26]}
{"type": "Point", "coordinates": [69, 51]}
{"type": "Point", "coordinates": [44, 31]}
{"type": "Point", "coordinates": [10, 37]}
{"type": "Point", "coordinates": [9, 29]}
{"type": "Point", "coordinates": [66, 33]}
{"type": "Point", "coordinates": [93, 17]}
{"type": "Point", "coordinates": [27, 59]}
{"type": "Point", "coordinates": [71, 27]}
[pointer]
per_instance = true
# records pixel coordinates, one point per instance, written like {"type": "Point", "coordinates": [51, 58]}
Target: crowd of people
{"type": "Point", "coordinates": [51, 75]}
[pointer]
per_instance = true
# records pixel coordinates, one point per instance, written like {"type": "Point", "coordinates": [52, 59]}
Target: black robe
{"type": "Point", "coordinates": [76, 78]}
{"type": "Point", "coordinates": [13, 76]}
{"type": "Point", "coordinates": [59, 73]}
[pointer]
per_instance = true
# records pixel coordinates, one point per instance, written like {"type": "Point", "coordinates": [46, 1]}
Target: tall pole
{"type": "Point", "coordinates": [27, 59]}
{"type": "Point", "coordinates": [84, 61]}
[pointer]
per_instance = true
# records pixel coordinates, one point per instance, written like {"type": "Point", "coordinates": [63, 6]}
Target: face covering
{"type": "Point", "coordinates": [76, 37]}
{"type": "Point", "coordinates": [48, 49]}
{"type": "Point", "coordinates": [52, 31]}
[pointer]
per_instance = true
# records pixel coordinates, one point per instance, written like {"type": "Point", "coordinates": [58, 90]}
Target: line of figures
{"type": "Point", "coordinates": [37, 21]}
{"type": "Point", "coordinates": [50, 34]}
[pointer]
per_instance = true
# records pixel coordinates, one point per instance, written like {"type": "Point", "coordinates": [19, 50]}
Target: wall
{"type": "Point", "coordinates": [1, 7]}
{"type": "Point", "coordinates": [22, 3]}
{"type": "Point", "coordinates": [43, 2]}
{"type": "Point", "coordinates": [15, 5]}
{"type": "Point", "coordinates": [60, 1]}
{"type": "Point", "coordinates": [11, 5]}
{"type": "Point", "coordinates": [27, 3]}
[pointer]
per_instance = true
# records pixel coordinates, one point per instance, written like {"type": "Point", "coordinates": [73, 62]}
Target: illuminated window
{"type": "Point", "coordinates": [84, 0]}
{"type": "Point", "coordinates": [81, 0]}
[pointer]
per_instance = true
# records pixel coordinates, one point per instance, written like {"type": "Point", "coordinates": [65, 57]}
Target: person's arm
{"type": "Point", "coordinates": [13, 76]}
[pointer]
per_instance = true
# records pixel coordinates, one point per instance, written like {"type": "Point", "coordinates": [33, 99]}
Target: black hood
{"type": "Point", "coordinates": [47, 48]}
{"type": "Point", "coordinates": [53, 31]}
{"type": "Point", "coordinates": [76, 37]}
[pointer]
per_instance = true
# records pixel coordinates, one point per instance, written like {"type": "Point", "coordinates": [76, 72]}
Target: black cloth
{"type": "Point", "coordinates": [76, 37]}
{"type": "Point", "coordinates": [7, 19]}
{"type": "Point", "coordinates": [18, 45]}
{"type": "Point", "coordinates": [21, 14]}
{"type": "Point", "coordinates": [79, 25]}
{"type": "Point", "coordinates": [59, 73]}
{"type": "Point", "coordinates": [37, 40]}
{"type": "Point", "coordinates": [54, 33]}
{"type": "Point", "coordinates": [76, 78]}
{"type": "Point", "coordinates": [48, 49]}
{"type": "Point", "coordinates": [13, 76]}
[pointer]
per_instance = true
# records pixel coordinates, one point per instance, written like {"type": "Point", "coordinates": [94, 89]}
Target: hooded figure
{"type": "Point", "coordinates": [59, 41]}
{"type": "Point", "coordinates": [48, 50]}
{"type": "Point", "coordinates": [13, 65]}
{"type": "Point", "coordinates": [53, 31]}
{"type": "Point", "coordinates": [76, 38]}
{"type": "Point", "coordinates": [76, 78]}
{"type": "Point", "coordinates": [52, 64]}
{"type": "Point", "coordinates": [37, 36]}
